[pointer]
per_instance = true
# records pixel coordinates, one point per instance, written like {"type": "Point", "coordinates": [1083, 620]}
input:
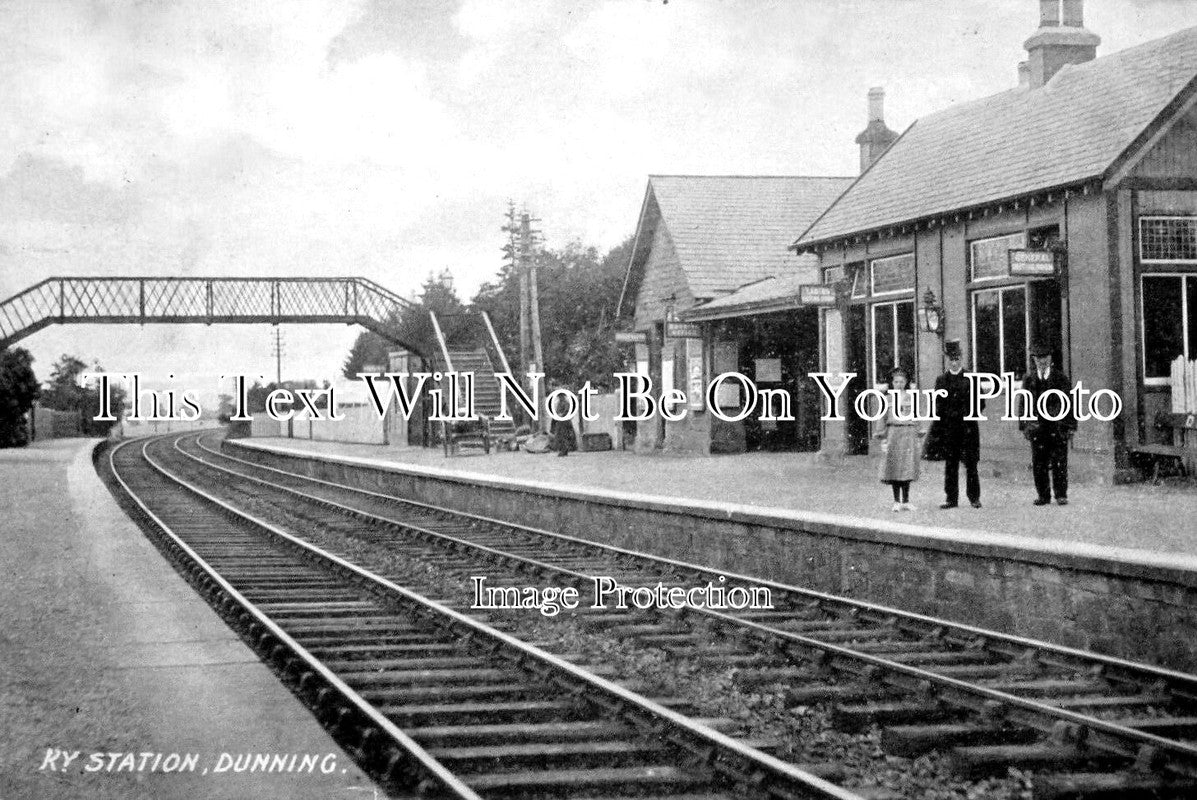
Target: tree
{"type": "Point", "coordinates": [368, 349]}
{"type": "Point", "coordinates": [579, 292]}
{"type": "Point", "coordinates": [438, 295]}
{"type": "Point", "coordinates": [224, 408]}
{"type": "Point", "coordinates": [66, 391]}
{"type": "Point", "coordinates": [18, 390]}
{"type": "Point", "coordinates": [578, 296]}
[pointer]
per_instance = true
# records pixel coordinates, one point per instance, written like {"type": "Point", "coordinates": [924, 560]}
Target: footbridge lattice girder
{"type": "Point", "coordinates": [204, 300]}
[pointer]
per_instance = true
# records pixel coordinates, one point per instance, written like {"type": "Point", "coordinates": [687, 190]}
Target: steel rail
{"type": "Point", "coordinates": [433, 768]}
{"type": "Point", "coordinates": [1120, 734]}
{"type": "Point", "coordinates": [768, 768]}
{"type": "Point", "coordinates": [1185, 681]}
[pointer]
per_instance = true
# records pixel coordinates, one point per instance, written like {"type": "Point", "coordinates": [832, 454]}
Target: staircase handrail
{"type": "Point", "coordinates": [440, 338]}
{"type": "Point", "coordinates": [495, 341]}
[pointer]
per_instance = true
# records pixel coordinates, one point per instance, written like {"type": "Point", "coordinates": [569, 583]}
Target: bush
{"type": "Point", "coordinates": [18, 390]}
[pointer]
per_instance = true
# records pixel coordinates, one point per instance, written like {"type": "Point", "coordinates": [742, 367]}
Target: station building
{"type": "Point", "coordinates": [711, 288]}
{"type": "Point", "coordinates": [1063, 210]}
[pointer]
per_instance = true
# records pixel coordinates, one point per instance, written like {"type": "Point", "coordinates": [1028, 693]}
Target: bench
{"type": "Point", "coordinates": [1176, 456]}
{"type": "Point", "coordinates": [466, 433]}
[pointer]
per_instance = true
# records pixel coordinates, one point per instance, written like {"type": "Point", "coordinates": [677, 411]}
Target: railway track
{"type": "Point", "coordinates": [427, 699]}
{"type": "Point", "coordinates": [1093, 726]}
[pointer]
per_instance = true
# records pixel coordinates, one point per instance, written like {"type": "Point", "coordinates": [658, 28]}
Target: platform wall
{"type": "Point", "coordinates": [1073, 595]}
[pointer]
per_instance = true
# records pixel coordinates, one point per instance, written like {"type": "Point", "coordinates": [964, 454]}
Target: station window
{"type": "Point", "coordinates": [1169, 315]}
{"type": "Point", "coordinates": [833, 275]}
{"type": "Point", "coordinates": [1000, 330]}
{"type": "Point", "coordinates": [990, 258]}
{"type": "Point", "coordinates": [1168, 239]}
{"type": "Point", "coordinates": [860, 279]}
{"type": "Point", "coordinates": [892, 274]}
{"type": "Point", "coordinates": [893, 338]}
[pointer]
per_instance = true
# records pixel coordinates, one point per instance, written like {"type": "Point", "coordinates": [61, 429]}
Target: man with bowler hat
{"type": "Point", "coordinates": [1049, 438]}
{"type": "Point", "coordinates": [959, 439]}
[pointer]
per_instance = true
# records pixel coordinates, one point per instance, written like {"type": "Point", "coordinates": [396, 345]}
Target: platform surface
{"type": "Point", "coordinates": [1153, 519]}
{"type": "Point", "coordinates": [104, 649]}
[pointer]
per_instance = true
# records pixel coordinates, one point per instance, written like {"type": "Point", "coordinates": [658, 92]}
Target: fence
{"type": "Point", "coordinates": [49, 423]}
{"type": "Point", "coordinates": [361, 425]}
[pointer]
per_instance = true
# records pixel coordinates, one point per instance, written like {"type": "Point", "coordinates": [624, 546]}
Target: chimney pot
{"type": "Point", "coordinates": [1024, 74]}
{"type": "Point", "coordinates": [1074, 13]}
{"type": "Point", "coordinates": [1049, 13]}
{"type": "Point", "coordinates": [877, 104]}
{"type": "Point", "coordinates": [876, 136]}
{"type": "Point", "coordinates": [1053, 45]}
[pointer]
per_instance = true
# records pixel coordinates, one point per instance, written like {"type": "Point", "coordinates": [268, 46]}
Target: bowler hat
{"type": "Point", "coordinates": [1040, 349]}
{"type": "Point", "coordinates": [951, 349]}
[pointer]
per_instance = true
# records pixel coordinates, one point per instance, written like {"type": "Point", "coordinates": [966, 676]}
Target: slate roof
{"type": "Point", "coordinates": [770, 294]}
{"type": "Point", "coordinates": [1017, 142]}
{"type": "Point", "coordinates": [731, 230]}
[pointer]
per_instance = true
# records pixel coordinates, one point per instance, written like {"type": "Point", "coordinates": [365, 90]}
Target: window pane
{"type": "Point", "coordinates": [1191, 284]}
{"type": "Point", "coordinates": [833, 275]}
{"type": "Point", "coordinates": [986, 322]}
{"type": "Point", "coordinates": [1168, 239]}
{"type": "Point", "coordinates": [883, 342]}
{"type": "Point", "coordinates": [893, 274]}
{"type": "Point", "coordinates": [905, 313]}
{"type": "Point", "coordinates": [991, 258]}
{"type": "Point", "coordinates": [1162, 326]}
{"type": "Point", "coordinates": [860, 281]}
{"type": "Point", "coordinates": [1014, 331]}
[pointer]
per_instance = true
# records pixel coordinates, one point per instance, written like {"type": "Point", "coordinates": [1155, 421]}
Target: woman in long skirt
{"type": "Point", "coordinates": [565, 440]}
{"type": "Point", "coordinates": [900, 464]}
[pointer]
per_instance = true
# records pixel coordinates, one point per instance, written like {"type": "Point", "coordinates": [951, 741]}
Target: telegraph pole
{"type": "Point", "coordinates": [515, 254]}
{"type": "Point", "coordinates": [277, 350]}
{"type": "Point", "coordinates": [521, 250]}
{"type": "Point", "coordinates": [529, 239]}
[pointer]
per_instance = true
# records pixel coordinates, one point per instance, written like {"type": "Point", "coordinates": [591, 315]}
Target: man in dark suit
{"type": "Point", "coordinates": [959, 439]}
{"type": "Point", "coordinates": [1049, 438]}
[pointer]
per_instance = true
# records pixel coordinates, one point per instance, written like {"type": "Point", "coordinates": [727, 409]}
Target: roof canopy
{"type": "Point", "coordinates": [1020, 142]}
{"type": "Point", "coordinates": [727, 230]}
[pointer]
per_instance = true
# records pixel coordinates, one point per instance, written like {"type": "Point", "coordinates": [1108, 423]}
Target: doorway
{"type": "Point", "coordinates": [856, 359]}
{"type": "Point", "coordinates": [1045, 318]}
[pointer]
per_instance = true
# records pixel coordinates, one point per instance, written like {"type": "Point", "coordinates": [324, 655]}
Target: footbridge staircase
{"type": "Point", "coordinates": [468, 343]}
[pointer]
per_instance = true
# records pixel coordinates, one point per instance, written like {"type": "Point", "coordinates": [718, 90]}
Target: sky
{"type": "Point", "coordinates": [384, 138]}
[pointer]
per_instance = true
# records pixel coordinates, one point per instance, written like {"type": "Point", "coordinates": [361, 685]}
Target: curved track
{"type": "Point", "coordinates": [426, 698]}
{"type": "Point", "coordinates": [1097, 726]}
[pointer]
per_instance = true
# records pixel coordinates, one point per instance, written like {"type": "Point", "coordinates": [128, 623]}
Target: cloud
{"type": "Point", "coordinates": [302, 137]}
{"type": "Point", "coordinates": [49, 189]}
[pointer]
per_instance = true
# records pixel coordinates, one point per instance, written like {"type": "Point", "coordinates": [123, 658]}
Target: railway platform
{"type": "Point", "coordinates": [105, 650]}
{"type": "Point", "coordinates": [1154, 519]}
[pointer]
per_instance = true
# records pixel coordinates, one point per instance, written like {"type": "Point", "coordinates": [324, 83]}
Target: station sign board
{"type": "Point", "coordinates": [1026, 263]}
{"type": "Point", "coordinates": [695, 385]}
{"type": "Point", "coordinates": [631, 337]}
{"type": "Point", "coordinates": [818, 294]}
{"type": "Point", "coordinates": [682, 330]}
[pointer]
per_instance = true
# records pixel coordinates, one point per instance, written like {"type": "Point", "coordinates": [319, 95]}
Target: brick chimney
{"type": "Point", "coordinates": [875, 138]}
{"type": "Point", "coordinates": [1061, 39]}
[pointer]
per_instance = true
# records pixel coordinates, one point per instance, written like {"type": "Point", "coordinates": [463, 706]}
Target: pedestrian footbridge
{"type": "Point", "coordinates": [209, 301]}
{"type": "Point", "coordinates": [465, 341]}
